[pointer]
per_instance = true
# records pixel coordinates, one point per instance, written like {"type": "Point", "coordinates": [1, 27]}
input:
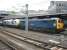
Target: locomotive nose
{"type": "Point", "coordinates": [60, 26]}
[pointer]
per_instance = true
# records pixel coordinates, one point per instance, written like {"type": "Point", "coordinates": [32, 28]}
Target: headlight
{"type": "Point", "coordinates": [54, 24]}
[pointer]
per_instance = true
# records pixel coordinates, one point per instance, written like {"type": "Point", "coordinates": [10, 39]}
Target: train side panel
{"type": "Point", "coordinates": [43, 25]}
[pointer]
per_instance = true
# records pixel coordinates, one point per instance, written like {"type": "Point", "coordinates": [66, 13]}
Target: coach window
{"type": "Point", "coordinates": [14, 21]}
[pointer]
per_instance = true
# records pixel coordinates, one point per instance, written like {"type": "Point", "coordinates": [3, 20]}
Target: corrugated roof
{"type": "Point", "coordinates": [30, 15]}
{"type": "Point", "coordinates": [22, 16]}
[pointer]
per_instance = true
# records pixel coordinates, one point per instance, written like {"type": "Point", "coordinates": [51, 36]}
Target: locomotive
{"type": "Point", "coordinates": [47, 24]}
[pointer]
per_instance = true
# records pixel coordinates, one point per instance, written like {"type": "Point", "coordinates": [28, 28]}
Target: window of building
{"type": "Point", "coordinates": [59, 4]}
{"type": "Point", "coordinates": [62, 4]}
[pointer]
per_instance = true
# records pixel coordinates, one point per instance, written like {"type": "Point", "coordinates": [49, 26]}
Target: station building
{"type": "Point", "coordinates": [58, 7]}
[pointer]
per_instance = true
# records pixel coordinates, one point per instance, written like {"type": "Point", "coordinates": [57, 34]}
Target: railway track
{"type": "Point", "coordinates": [17, 43]}
{"type": "Point", "coordinates": [40, 36]}
{"type": "Point", "coordinates": [5, 46]}
{"type": "Point", "coordinates": [37, 43]}
{"type": "Point", "coordinates": [28, 40]}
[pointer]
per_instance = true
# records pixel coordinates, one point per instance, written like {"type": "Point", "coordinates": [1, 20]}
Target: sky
{"type": "Point", "coordinates": [16, 5]}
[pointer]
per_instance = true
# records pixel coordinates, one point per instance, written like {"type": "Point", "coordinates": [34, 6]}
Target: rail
{"type": "Point", "coordinates": [41, 44]}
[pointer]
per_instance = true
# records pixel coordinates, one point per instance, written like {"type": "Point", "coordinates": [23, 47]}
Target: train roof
{"type": "Point", "coordinates": [47, 19]}
{"type": "Point", "coordinates": [40, 19]}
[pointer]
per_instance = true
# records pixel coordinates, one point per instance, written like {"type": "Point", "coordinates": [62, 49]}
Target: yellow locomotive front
{"type": "Point", "coordinates": [60, 24]}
